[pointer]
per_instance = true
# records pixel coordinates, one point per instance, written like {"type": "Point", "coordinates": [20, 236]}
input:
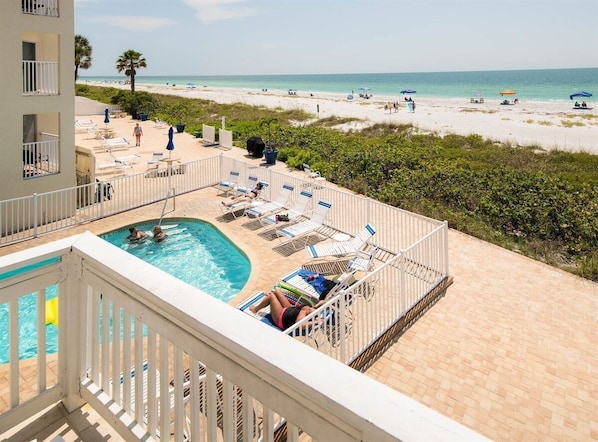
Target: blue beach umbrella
{"type": "Point", "coordinates": [170, 145]}
{"type": "Point", "coordinates": [580, 94]}
{"type": "Point", "coordinates": [106, 116]}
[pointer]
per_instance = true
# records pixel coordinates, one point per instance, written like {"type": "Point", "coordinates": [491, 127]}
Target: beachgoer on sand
{"type": "Point", "coordinates": [137, 132]}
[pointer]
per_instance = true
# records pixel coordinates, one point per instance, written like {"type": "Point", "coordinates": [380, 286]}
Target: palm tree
{"type": "Point", "coordinates": [129, 61]}
{"type": "Point", "coordinates": [83, 52]}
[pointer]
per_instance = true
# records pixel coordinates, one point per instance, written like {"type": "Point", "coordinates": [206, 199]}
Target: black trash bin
{"type": "Point", "coordinates": [255, 147]}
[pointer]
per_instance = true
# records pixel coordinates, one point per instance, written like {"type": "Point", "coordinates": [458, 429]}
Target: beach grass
{"type": "Point", "coordinates": [538, 202]}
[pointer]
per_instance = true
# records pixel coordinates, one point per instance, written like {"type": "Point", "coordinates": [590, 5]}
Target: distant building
{"type": "Point", "coordinates": [37, 96]}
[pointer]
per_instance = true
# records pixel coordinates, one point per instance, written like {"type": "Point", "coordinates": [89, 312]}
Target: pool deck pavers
{"type": "Point", "coordinates": [511, 350]}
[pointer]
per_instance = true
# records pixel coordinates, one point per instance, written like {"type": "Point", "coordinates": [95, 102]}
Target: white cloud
{"type": "Point", "coordinates": [217, 10]}
{"type": "Point", "coordinates": [135, 22]}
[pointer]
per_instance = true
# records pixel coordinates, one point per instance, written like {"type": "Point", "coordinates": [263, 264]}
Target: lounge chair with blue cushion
{"type": "Point", "coordinates": [228, 186]}
{"type": "Point", "coordinates": [251, 183]}
{"type": "Point", "coordinates": [310, 286]}
{"type": "Point", "coordinates": [342, 248]}
{"type": "Point", "coordinates": [293, 214]}
{"type": "Point", "coordinates": [238, 209]}
{"type": "Point", "coordinates": [280, 203]}
{"type": "Point", "coordinates": [304, 229]}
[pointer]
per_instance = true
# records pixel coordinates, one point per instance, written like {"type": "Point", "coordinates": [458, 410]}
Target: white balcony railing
{"type": "Point", "coordinates": [47, 8]}
{"type": "Point", "coordinates": [40, 77]}
{"type": "Point", "coordinates": [154, 356]}
{"type": "Point", "coordinates": [41, 157]}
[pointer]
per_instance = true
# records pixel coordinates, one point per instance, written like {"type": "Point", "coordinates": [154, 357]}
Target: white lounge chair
{"type": "Point", "coordinates": [85, 126]}
{"type": "Point", "coordinates": [227, 186]}
{"type": "Point", "coordinates": [294, 214]}
{"type": "Point", "coordinates": [279, 203]}
{"type": "Point", "coordinates": [313, 175]}
{"type": "Point", "coordinates": [244, 190]}
{"type": "Point", "coordinates": [126, 160]}
{"type": "Point", "coordinates": [115, 143]}
{"type": "Point", "coordinates": [234, 209]}
{"type": "Point", "coordinates": [306, 228]}
{"type": "Point", "coordinates": [342, 248]}
{"type": "Point", "coordinates": [296, 283]}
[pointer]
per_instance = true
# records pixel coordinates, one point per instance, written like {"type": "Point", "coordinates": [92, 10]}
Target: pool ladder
{"type": "Point", "coordinates": [165, 203]}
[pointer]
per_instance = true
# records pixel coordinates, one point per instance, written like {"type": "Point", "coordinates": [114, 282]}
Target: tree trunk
{"type": "Point", "coordinates": [133, 83]}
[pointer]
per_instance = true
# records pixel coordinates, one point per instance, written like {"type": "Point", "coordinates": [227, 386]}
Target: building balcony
{"type": "Point", "coordinates": [40, 77]}
{"type": "Point", "coordinates": [41, 157]}
{"type": "Point", "coordinates": [48, 8]}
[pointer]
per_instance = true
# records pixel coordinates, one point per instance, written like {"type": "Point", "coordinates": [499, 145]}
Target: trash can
{"type": "Point", "coordinates": [255, 147]}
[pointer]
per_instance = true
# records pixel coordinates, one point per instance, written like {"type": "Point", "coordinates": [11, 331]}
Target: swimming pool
{"type": "Point", "coordinates": [195, 252]}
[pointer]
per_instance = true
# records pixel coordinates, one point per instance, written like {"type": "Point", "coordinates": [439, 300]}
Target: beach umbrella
{"type": "Point", "coordinates": [408, 91]}
{"type": "Point", "coordinates": [170, 145]}
{"type": "Point", "coordinates": [106, 117]}
{"type": "Point", "coordinates": [580, 94]}
{"type": "Point", "coordinates": [507, 92]}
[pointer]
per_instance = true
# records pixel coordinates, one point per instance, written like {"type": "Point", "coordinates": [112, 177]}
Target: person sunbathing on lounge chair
{"type": "Point", "coordinates": [284, 314]}
{"type": "Point", "coordinates": [248, 197]}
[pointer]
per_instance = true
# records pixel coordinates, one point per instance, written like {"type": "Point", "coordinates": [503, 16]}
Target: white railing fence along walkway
{"type": "Point", "coordinates": [155, 356]}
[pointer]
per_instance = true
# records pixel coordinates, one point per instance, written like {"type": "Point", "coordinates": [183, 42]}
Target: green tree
{"type": "Point", "coordinates": [83, 52]}
{"type": "Point", "coordinates": [129, 62]}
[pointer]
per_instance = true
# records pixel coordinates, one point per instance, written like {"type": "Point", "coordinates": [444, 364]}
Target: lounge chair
{"type": "Point", "coordinates": [313, 175]}
{"type": "Point", "coordinates": [293, 214]}
{"type": "Point", "coordinates": [296, 282]}
{"type": "Point", "coordinates": [306, 228]}
{"type": "Point", "coordinates": [279, 203]}
{"type": "Point", "coordinates": [227, 186]}
{"type": "Point", "coordinates": [234, 209]}
{"type": "Point", "coordinates": [342, 248]}
{"type": "Point", "coordinates": [126, 160]}
{"type": "Point", "coordinates": [115, 143]}
{"type": "Point", "coordinates": [86, 126]}
{"type": "Point", "coordinates": [244, 190]}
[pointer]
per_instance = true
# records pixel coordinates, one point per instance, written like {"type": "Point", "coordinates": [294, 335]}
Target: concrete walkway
{"type": "Point", "coordinates": [510, 351]}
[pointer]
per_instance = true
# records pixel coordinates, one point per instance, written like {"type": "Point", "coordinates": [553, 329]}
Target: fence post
{"type": "Point", "coordinates": [35, 220]}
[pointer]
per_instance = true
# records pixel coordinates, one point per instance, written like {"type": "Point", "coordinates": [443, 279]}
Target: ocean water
{"type": "Point", "coordinates": [534, 85]}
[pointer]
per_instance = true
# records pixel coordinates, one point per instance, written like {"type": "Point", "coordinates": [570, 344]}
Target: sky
{"type": "Point", "coordinates": [261, 37]}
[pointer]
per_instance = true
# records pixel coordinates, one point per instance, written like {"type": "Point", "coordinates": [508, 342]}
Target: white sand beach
{"type": "Point", "coordinates": [548, 125]}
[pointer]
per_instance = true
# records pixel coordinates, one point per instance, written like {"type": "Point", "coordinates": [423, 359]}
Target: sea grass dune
{"type": "Point", "coordinates": [547, 125]}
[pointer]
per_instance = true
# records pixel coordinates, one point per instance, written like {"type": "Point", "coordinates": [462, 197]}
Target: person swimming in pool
{"type": "Point", "coordinates": [248, 197]}
{"type": "Point", "coordinates": [159, 234]}
{"type": "Point", "coordinates": [136, 235]}
{"type": "Point", "coordinates": [284, 314]}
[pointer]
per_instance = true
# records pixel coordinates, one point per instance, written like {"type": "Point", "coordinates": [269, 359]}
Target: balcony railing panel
{"type": "Point", "coordinates": [156, 357]}
{"type": "Point", "coordinates": [40, 77]}
{"type": "Point", "coordinates": [47, 8]}
{"type": "Point", "coordinates": [41, 157]}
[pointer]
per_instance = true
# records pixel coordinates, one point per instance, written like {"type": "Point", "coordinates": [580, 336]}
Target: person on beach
{"type": "Point", "coordinates": [137, 132]}
{"type": "Point", "coordinates": [159, 234]}
{"type": "Point", "coordinates": [284, 314]}
{"type": "Point", "coordinates": [136, 235]}
{"type": "Point", "coordinates": [248, 197]}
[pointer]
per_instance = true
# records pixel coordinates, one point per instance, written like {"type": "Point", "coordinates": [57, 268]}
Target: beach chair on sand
{"type": "Point", "coordinates": [304, 229]}
{"type": "Point", "coordinates": [115, 143]}
{"type": "Point", "coordinates": [342, 248]}
{"type": "Point", "coordinates": [228, 186]}
{"type": "Point", "coordinates": [279, 203]}
{"type": "Point", "coordinates": [293, 214]}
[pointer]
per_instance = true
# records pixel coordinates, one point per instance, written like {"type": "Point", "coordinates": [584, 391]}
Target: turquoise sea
{"type": "Point", "coordinates": [535, 85]}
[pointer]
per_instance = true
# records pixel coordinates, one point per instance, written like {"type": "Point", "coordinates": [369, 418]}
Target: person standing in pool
{"type": "Point", "coordinates": [159, 234]}
{"type": "Point", "coordinates": [284, 314]}
{"type": "Point", "coordinates": [136, 235]}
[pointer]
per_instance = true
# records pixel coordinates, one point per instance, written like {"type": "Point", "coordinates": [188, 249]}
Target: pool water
{"type": "Point", "coordinates": [195, 252]}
